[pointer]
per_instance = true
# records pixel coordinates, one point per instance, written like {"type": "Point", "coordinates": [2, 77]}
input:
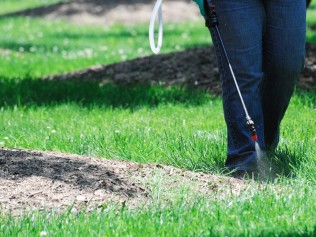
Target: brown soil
{"type": "Point", "coordinates": [113, 11]}
{"type": "Point", "coordinates": [194, 68]}
{"type": "Point", "coordinates": [36, 180]}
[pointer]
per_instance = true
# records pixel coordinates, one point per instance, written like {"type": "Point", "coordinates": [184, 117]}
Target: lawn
{"type": "Point", "coordinates": [46, 47]}
{"type": "Point", "coordinates": [173, 126]}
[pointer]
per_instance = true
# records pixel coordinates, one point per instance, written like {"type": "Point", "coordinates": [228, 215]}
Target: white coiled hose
{"type": "Point", "coordinates": [156, 12]}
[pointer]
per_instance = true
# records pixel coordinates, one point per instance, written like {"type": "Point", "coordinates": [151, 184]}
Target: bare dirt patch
{"type": "Point", "coordinates": [195, 68]}
{"type": "Point", "coordinates": [36, 180]}
{"type": "Point", "coordinates": [113, 11]}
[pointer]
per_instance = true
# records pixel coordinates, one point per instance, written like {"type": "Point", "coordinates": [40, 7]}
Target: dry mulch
{"type": "Point", "coordinates": [37, 180]}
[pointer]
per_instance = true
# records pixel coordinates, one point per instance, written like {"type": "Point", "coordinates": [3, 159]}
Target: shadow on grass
{"type": "Point", "coordinates": [26, 47]}
{"type": "Point", "coordinates": [290, 233]}
{"type": "Point", "coordinates": [30, 92]}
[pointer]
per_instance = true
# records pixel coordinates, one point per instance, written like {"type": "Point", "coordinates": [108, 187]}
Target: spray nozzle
{"type": "Point", "coordinates": [252, 130]}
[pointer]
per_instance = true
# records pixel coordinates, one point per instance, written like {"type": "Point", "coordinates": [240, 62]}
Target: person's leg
{"type": "Point", "coordinates": [284, 53]}
{"type": "Point", "coordinates": [241, 24]}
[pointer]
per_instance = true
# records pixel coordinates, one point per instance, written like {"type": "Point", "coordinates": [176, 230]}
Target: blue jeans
{"type": "Point", "coordinates": [265, 42]}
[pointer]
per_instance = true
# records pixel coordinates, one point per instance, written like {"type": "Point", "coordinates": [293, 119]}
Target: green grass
{"type": "Point", "coordinates": [175, 126]}
{"type": "Point", "coordinates": [89, 120]}
{"type": "Point", "coordinates": [9, 6]}
{"type": "Point", "coordinates": [311, 21]}
{"type": "Point", "coordinates": [36, 48]}
{"type": "Point", "coordinates": [311, 13]}
{"type": "Point", "coordinates": [100, 122]}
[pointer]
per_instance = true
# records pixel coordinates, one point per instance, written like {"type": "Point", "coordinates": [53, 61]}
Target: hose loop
{"type": "Point", "coordinates": [156, 12]}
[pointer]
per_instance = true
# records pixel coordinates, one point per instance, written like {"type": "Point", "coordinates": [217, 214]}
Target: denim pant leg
{"type": "Point", "coordinates": [241, 24]}
{"type": "Point", "coordinates": [284, 53]}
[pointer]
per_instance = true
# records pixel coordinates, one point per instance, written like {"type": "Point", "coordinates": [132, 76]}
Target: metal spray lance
{"type": "Point", "coordinates": [212, 22]}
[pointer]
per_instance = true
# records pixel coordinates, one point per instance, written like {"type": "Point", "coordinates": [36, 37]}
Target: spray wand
{"type": "Point", "coordinates": [212, 22]}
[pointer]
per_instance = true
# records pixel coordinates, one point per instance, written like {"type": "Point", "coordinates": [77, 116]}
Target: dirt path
{"type": "Point", "coordinates": [113, 11]}
{"type": "Point", "coordinates": [34, 180]}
